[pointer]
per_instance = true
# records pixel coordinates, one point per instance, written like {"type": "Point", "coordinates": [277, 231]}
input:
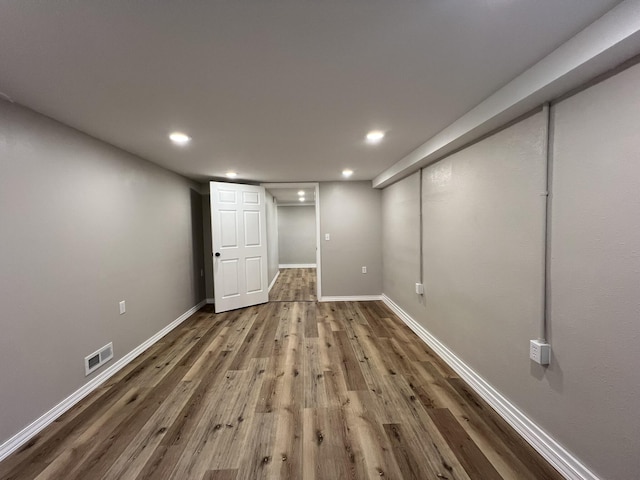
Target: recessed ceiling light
{"type": "Point", "coordinates": [301, 199]}
{"type": "Point", "coordinates": [179, 138]}
{"type": "Point", "coordinates": [301, 193]}
{"type": "Point", "coordinates": [347, 173]}
{"type": "Point", "coordinates": [375, 136]}
{"type": "Point", "coordinates": [231, 174]}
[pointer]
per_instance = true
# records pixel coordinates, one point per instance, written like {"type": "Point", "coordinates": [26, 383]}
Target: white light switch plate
{"type": "Point", "coordinates": [123, 307]}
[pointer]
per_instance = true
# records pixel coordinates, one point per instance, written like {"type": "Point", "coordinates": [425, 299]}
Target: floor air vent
{"type": "Point", "coordinates": [97, 359]}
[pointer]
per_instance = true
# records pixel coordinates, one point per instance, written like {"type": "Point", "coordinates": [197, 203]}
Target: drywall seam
{"type": "Point", "coordinates": [23, 436]}
{"type": "Point", "coordinates": [558, 456]}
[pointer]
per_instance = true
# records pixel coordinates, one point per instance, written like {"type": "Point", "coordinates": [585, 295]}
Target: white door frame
{"type": "Point", "coordinates": [316, 187]}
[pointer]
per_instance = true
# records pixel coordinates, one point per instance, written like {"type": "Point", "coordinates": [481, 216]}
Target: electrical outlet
{"type": "Point", "coordinates": [364, 269]}
{"type": "Point", "coordinates": [123, 307]}
{"type": "Point", "coordinates": [419, 288]}
{"type": "Point", "coordinates": [540, 352]}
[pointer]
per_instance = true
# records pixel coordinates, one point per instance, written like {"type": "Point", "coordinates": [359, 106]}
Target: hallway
{"type": "Point", "coordinates": [294, 285]}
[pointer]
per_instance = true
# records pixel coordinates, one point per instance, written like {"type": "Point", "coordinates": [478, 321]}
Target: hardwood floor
{"type": "Point", "coordinates": [285, 390]}
{"type": "Point", "coordinates": [294, 285]}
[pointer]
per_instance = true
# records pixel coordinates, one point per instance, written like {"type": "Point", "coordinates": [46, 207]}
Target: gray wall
{"type": "Point", "coordinates": [401, 242]}
{"type": "Point", "coordinates": [483, 220]}
{"type": "Point", "coordinates": [483, 267]}
{"type": "Point", "coordinates": [208, 243]}
{"type": "Point", "coordinates": [591, 391]}
{"type": "Point", "coordinates": [351, 213]}
{"type": "Point", "coordinates": [273, 255]}
{"type": "Point", "coordinates": [83, 226]}
{"type": "Point", "coordinates": [297, 234]}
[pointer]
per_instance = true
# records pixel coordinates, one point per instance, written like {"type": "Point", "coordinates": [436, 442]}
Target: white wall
{"type": "Point", "coordinates": [482, 217]}
{"type": "Point", "coordinates": [297, 234]}
{"type": "Point", "coordinates": [83, 226]}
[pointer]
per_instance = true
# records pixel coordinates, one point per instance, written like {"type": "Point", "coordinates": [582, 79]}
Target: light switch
{"type": "Point", "coordinates": [327, 236]}
{"type": "Point", "coordinates": [123, 307]}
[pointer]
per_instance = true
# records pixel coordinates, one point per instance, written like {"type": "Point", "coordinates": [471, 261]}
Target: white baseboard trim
{"type": "Point", "coordinates": [561, 459]}
{"type": "Point", "coordinates": [210, 301]}
{"type": "Point", "coordinates": [297, 265]}
{"type": "Point", "coordinates": [23, 436]}
{"type": "Point", "coordinates": [273, 282]}
{"type": "Point", "coordinates": [352, 298]}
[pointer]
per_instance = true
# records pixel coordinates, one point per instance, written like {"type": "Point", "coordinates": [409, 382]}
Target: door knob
{"type": "Point", "coordinates": [217, 254]}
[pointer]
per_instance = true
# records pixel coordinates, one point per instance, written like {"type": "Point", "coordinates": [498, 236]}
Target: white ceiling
{"type": "Point", "coordinates": [279, 91]}
{"type": "Point", "coordinates": [289, 196]}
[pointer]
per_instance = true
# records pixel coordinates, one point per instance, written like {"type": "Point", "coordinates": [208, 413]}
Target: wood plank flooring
{"type": "Point", "coordinates": [294, 285]}
{"type": "Point", "coordinates": [285, 390]}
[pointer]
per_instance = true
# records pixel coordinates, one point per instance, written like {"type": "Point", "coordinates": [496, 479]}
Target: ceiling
{"type": "Point", "coordinates": [291, 196]}
{"type": "Point", "coordinates": [278, 91]}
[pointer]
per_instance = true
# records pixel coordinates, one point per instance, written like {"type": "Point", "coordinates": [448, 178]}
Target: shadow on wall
{"type": "Point", "coordinates": [207, 252]}
{"type": "Point", "coordinates": [197, 243]}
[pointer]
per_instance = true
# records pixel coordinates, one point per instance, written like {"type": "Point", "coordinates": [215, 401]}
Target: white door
{"type": "Point", "coordinates": [239, 234]}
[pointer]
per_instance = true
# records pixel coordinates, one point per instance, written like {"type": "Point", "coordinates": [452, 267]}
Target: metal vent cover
{"type": "Point", "coordinates": [98, 358]}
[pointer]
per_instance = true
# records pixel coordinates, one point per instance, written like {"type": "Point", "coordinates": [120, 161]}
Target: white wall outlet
{"type": "Point", "coordinates": [123, 307]}
{"type": "Point", "coordinates": [419, 288]}
{"type": "Point", "coordinates": [540, 352]}
{"type": "Point", "coordinates": [364, 269]}
{"type": "Point", "coordinates": [327, 236]}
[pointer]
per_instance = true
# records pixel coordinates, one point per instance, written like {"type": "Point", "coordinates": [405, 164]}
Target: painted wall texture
{"type": "Point", "coordinates": [273, 254]}
{"type": "Point", "coordinates": [297, 234]}
{"type": "Point", "coordinates": [84, 225]}
{"type": "Point", "coordinates": [483, 225]}
{"type": "Point", "coordinates": [350, 212]}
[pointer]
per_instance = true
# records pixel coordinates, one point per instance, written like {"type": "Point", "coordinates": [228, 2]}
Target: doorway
{"type": "Point", "coordinates": [300, 256]}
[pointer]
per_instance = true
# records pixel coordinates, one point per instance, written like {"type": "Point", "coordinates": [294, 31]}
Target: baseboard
{"type": "Point", "coordinates": [210, 301]}
{"type": "Point", "coordinates": [352, 298]}
{"type": "Point", "coordinates": [19, 439]}
{"type": "Point", "coordinates": [561, 459]}
{"type": "Point", "coordinates": [297, 265]}
{"type": "Point", "coordinates": [273, 282]}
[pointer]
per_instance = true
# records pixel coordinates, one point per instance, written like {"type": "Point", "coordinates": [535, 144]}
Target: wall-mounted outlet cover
{"type": "Point", "coordinates": [364, 269]}
{"type": "Point", "coordinates": [123, 307]}
{"type": "Point", "coordinates": [540, 352]}
{"type": "Point", "coordinates": [419, 288]}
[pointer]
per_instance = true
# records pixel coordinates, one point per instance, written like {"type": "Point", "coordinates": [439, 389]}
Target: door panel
{"type": "Point", "coordinates": [230, 274]}
{"type": "Point", "coordinates": [252, 229]}
{"type": "Point", "coordinates": [239, 245]}
{"type": "Point", "coordinates": [228, 229]}
{"type": "Point", "coordinates": [254, 274]}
